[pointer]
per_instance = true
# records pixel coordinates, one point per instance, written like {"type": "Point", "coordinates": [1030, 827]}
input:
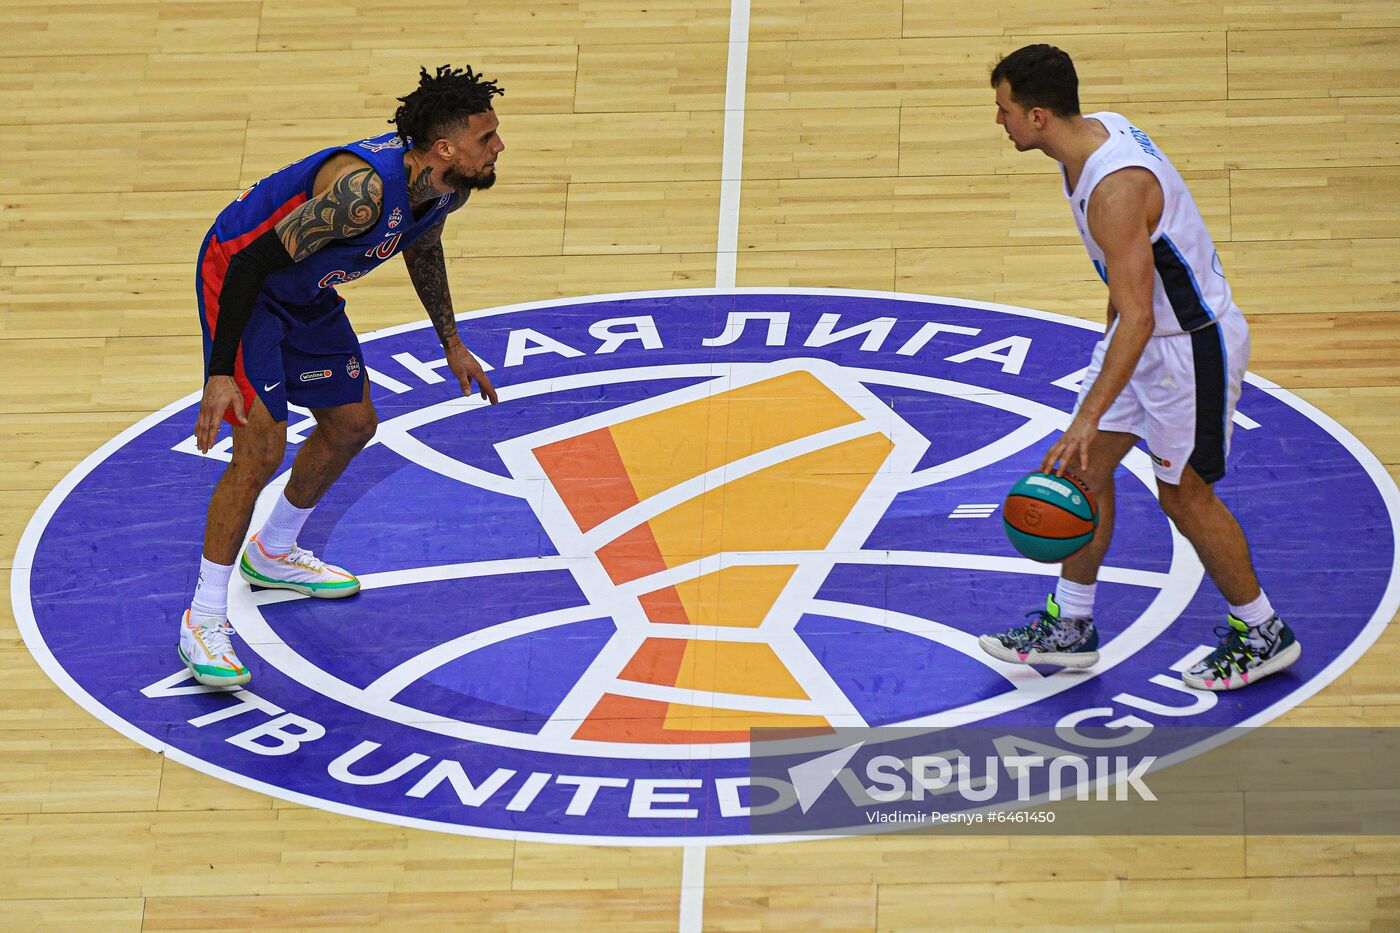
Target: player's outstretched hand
{"type": "Point", "coordinates": [1072, 446]}
{"type": "Point", "coordinates": [467, 370]}
{"type": "Point", "coordinates": [220, 394]}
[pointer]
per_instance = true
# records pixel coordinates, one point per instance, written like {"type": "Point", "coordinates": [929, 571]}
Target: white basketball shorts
{"type": "Point", "coordinates": [1181, 398]}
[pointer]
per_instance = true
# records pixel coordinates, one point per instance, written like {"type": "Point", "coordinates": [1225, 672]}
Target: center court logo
{"type": "Point", "coordinates": [693, 515]}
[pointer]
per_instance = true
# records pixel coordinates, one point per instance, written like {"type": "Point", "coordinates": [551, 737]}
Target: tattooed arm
{"type": "Point", "coordinates": [349, 200]}
{"type": "Point", "coordinates": [348, 208]}
{"type": "Point", "coordinates": [427, 268]}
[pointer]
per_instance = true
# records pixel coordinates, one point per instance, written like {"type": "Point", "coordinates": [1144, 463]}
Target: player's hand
{"type": "Point", "coordinates": [1073, 445]}
{"type": "Point", "coordinates": [467, 370]}
{"type": "Point", "coordinates": [220, 394]}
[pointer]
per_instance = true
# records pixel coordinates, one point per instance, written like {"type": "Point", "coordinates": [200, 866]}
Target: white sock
{"type": "Point", "coordinates": [1254, 613]}
{"type": "Point", "coordinates": [280, 531]}
{"type": "Point", "coordinates": [1076, 600]}
{"type": "Point", "coordinates": [211, 592]}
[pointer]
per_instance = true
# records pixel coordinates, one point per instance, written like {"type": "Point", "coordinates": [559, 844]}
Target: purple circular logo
{"type": "Point", "coordinates": [692, 515]}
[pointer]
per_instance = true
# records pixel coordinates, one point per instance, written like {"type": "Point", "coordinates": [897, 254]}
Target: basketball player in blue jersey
{"type": "Point", "coordinates": [275, 331]}
{"type": "Point", "coordinates": [1168, 371]}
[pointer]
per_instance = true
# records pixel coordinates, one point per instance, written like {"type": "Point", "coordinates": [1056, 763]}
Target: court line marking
{"type": "Point", "coordinates": [692, 889]}
{"type": "Point", "coordinates": [26, 621]}
{"type": "Point", "coordinates": [732, 166]}
{"type": "Point", "coordinates": [692, 909]}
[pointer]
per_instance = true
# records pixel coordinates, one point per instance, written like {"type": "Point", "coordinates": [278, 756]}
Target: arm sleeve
{"type": "Point", "coordinates": [242, 282]}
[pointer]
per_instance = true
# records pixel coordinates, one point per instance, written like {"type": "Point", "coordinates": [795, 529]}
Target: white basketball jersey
{"type": "Point", "coordinates": [1189, 290]}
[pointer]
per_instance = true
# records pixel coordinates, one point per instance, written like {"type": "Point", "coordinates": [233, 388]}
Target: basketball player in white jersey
{"type": "Point", "coordinates": [1168, 371]}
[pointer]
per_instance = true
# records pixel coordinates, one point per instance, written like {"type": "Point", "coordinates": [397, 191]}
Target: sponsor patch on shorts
{"type": "Point", "coordinates": [316, 375]}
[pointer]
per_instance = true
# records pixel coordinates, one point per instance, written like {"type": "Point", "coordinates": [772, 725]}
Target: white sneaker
{"type": "Point", "coordinates": [208, 653]}
{"type": "Point", "coordinates": [298, 570]}
{"type": "Point", "coordinates": [1246, 655]}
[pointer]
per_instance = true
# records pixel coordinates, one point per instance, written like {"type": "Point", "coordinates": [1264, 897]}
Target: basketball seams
{"type": "Point", "coordinates": [1048, 517]}
{"type": "Point", "coordinates": [1053, 522]}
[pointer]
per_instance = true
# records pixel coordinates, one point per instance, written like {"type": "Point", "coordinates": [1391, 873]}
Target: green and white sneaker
{"type": "Point", "coordinates": [208, 653]}
{"type": "Point", "coordinates": [1048, 639]}
{"type": "Point", "coordinates": [298, 570]}
{"type": "Point", "coordinates": [1246, 655]}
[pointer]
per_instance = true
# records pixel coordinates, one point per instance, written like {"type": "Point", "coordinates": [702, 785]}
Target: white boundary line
{"type": "Point", "coordinates": [731, 176]}
{"type": "Point", "coordinates": [23, 607]}
{"type": "Point", "coordinates": [692, 889]}
{"type": "Point", "coordinates": [732, 167]}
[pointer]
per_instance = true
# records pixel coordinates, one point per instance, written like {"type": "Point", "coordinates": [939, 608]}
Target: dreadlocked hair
{"type": "Point", "coordinates": [448, 97]}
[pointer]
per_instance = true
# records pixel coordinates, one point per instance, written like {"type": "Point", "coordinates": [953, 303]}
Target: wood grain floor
{"type": "Point", "coordinates": [870, 160]}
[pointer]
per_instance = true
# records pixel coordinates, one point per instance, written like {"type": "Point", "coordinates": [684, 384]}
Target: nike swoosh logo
{"type": "Point", "coordinates": [271, 387]}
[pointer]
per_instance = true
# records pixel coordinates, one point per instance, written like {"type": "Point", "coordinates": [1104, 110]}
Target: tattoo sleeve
{"type": "Point", "coordinates": [348, 209]}
{"type": "Point", "coordinates": [427, 268]}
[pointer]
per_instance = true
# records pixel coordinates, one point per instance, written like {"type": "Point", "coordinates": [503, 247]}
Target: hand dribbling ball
{"type": "Point", "coordinates": [1048, 517]}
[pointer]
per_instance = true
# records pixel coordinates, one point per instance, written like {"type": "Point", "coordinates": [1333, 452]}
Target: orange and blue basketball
{"type": "Point", "coordinates": [1048, 518]}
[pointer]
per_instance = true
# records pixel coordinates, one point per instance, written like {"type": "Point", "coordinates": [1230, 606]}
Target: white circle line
{"type": "Point", "coordinates": [28, 626]}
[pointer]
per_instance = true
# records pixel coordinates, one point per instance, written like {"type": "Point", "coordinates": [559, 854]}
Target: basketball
{"type": "Point", "coordinates": [1048, 518]}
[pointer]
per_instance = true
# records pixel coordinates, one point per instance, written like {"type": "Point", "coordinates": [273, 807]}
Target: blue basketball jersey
{"type": "Point", "coordinates": [307, 288]}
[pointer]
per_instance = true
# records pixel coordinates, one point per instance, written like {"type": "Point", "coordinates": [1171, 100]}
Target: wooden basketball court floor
{"type": "Point", "coordinates": [869, 159]}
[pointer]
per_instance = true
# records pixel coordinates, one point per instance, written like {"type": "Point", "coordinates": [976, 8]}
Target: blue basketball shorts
{"type": "Point", "coordinates": [285, 359]}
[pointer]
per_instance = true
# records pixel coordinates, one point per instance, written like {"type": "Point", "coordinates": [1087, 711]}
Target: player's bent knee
{"type": "Point", "coordinates": [258, 466]}
{"type": "Point", "coordinates": [363, 428]}
{"type": "Point", "coordinates": [354, 431]}
{"type": "Point", "coordinates": [1182, 501]}
{"type": "Point", "coordinates": [257, 456]}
